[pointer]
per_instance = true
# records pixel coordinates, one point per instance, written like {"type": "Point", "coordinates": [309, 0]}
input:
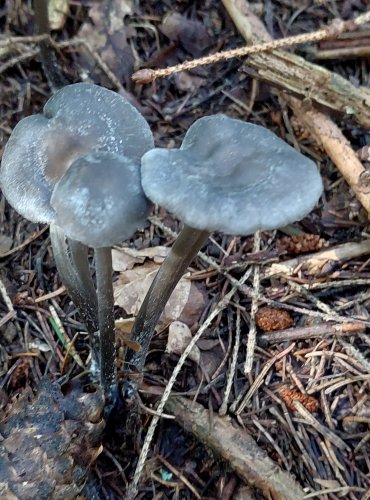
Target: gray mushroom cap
{"type": "Point", "coordinates": [99, 201]}
{"type": "Point", "coordinates": [78, 120]}
{"type": "Point", "coordinates": [232, 176]}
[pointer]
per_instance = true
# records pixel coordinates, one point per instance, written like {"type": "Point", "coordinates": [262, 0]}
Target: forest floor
{"type": "Point", "coordinates": [305, 397]}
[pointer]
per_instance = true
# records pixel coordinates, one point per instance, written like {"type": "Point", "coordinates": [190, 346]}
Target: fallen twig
{"type": "Point", "coordinates": [314, 263]}
{"type": "Point", "coordinates": [237, 447]}
{"type": "Point", "coordinates": [307, 332]}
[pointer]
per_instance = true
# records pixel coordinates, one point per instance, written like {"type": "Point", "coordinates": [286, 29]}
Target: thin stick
{"type": "Point", "coordinates": [48, 57]}
{"type": "Point", "coordinates": [254, 307]}
{"type": "Point", "coordinates": [320, 330]}
{"type": "Point", "coordinates": [11, 40]}
{"type": "Point", "coordinates": [331, 31]}
{"type": "Point", "coordinates": [231, 374]}
{"type": "Point", "coordinates": [103, 266]}
{"type": "Point", "coordinates": [65, 339]}
{"type": "Point", "coordinates": [182, 253]}
{"type": "Point", "coordinates": [5, 296]}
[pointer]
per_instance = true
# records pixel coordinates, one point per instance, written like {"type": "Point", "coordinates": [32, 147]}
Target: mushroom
{"type": "Point", "coordinates": [76, 167]}
{"type": "Point", "coordinates": [228, 176]}
{"type": "Point", "coordinates": [99, 201]}
{"type": "Point", "coordinates": [78, 120]}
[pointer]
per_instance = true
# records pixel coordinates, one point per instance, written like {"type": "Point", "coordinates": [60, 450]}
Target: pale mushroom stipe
{"type": "Point", "coordinates": [77, 168]}
{"type": "Point", "coordinates": [228, 176]}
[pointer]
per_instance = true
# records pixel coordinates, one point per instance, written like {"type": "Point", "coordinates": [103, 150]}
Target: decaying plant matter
{"type": "Point", "coordinates": [49, 441]}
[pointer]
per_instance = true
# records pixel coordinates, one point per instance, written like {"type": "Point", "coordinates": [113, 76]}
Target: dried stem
{"type": "Point", "coordinates": [103, 266]}
{"type": "Point", "coordinates": [251, 344]}
{"type": "Point", "coordinates": [73, 268]}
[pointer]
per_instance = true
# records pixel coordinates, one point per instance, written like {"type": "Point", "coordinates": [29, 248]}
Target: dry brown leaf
{"type": "Point", "coordinates": [133, 284]}
{"type": "Point", "coordinates": [126, 258]}
{"type": "Point", "coordinates": [107, 34]}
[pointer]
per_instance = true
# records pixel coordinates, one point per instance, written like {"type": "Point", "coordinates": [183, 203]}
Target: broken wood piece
{"type": "Point", "coordinates": [237, 447]}
{"type": "Point", "coordinates": [338, 148]}
{"type": "Point", "coordinates": [321, 330]}
{"type": "Point", "coordinates": [347, 46]}
{"type": "Point", "coordinates": [315, 262]}
{"type": "Point", "coordinates": [306, 80]}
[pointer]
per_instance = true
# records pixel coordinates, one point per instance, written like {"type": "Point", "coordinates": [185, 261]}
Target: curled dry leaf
{"type": "Point", "coordinates": [179, 337]}
{"type": "Point", "coordinates": [186, 302]}
{"type": "Point", "coordinates": [127, 258]}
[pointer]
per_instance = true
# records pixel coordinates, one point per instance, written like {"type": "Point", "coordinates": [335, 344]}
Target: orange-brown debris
{"type": "Point", "coordinates": [291, 395]}
{"type": "Point", "coordinates": [301, 243]}
{"type": "Point", "coordinates": [272, 318]}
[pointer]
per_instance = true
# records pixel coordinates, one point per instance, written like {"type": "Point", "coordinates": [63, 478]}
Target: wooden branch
{"type": "Point", "coordinates": [321, 330]}
{"type": "Point", "coordinates": [310, 81]}
{"type": "Point", "coordinates": [322, 128]}
{"type": "Point", "coordinates": [338, 148]}
{"type": "Point", "coordinates": [314, 262]}
{"type": "Point", "coordinates": [237, 447]}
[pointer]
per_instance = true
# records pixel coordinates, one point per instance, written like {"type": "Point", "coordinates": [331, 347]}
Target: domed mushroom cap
{"type": "Point", "coordinates": [22, 180]}
{"type": "Point", "coordinates": [232, 176]}
{"type": "Point", "coordinates": [99, 201]}
{"type": "Point", "coordinates": [78, 120]}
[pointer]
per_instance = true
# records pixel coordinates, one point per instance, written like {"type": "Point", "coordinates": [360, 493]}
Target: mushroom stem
{"type": "Point", "coordinates": [103, 266]}
{"type": "Point", "coordinates": [73, 268]}
{"type": "Point", "coordinates": [186, 246]}
{"type": "Point", "coordinates": [47, 53]}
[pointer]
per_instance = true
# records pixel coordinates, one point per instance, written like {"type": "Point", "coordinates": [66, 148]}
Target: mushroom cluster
{"type": "Point", "coordinates": [230, 176]}
{"type": "Point", "coordinates": [77, 167]}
